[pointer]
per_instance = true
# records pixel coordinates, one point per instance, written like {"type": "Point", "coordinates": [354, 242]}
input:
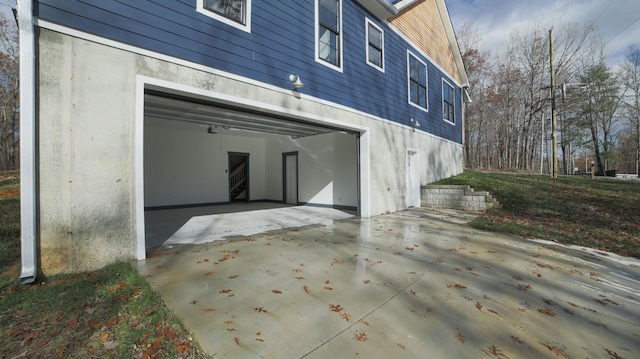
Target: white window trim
{"type": "Point", "coordinates": [454, 101]}
{"type": "Point", "coordinates": [368, 22]}
{"type": "Point", "coordinates": [244, 27]}
{"type": "Point", "coordinates": [426, 74]}
{"type": "Point", "coordinates": [317, 34]}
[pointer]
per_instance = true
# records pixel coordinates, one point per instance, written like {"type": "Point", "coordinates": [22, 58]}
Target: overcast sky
{"type": "Point", "coordinates": [618, 21]}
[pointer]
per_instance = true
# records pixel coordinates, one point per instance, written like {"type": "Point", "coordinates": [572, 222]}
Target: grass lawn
{"type": "Point", "coordinates": [109, 313]}
{"type": "Point", "coordinates": [601, 213]}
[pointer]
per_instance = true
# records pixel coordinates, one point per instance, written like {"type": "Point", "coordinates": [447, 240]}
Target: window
{"type": "Point", "coordinates": [328, 32]}
{"type": "Point", "coordinates": [448, 102]}
{"type": "Point", "coordinates": [236, 13]}
{"type": "Point", "coordinates": [375, 46]}
{"type": "Point", "coordinates": [417, 82]}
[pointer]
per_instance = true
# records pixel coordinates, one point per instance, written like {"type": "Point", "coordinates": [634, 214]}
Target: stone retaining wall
{"type": "Point", "coordinates": [456, 197]}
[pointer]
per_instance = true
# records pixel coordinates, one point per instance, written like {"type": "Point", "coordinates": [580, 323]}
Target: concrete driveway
{"type": "Point", "coordinates": [413, 284]}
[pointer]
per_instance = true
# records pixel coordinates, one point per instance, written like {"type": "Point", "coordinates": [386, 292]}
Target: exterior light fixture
{"type": "Point", "coordinates": [415, 124]}
{"type": "Point", "coordinates": [295, 81]}
{"type": "Point", "coordinates": [211, 130]}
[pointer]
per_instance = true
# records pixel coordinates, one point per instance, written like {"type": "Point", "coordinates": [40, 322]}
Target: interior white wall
{"type": "Point", "coordinates": [184, 164]}
{"type": "Point", "coordinates": [327, 168]}
{"type": "Point", "coordinates": [275, 146]}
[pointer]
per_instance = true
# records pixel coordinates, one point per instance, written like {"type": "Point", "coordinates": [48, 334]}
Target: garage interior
{"type": "Point", "coordinates": [204, 160]}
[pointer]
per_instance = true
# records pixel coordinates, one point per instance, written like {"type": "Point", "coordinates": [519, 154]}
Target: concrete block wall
{"type": "Point", "coordinates": [456, 197]}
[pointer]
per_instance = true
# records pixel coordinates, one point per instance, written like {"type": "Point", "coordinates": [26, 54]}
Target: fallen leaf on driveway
{"type": "Point", "coordinates": [361, 337]}
{"type": "Point", "coordinates": [547, 312]}
{"type": "Point", "coordinates": [110, 344]}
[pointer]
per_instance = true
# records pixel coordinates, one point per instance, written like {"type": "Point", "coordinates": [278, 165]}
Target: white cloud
{"type": "Point", "coordinates": [618, 21]}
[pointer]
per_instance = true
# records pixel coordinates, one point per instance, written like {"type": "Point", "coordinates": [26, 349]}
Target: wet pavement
{"type": "Point", "coordinates": [419, 283]}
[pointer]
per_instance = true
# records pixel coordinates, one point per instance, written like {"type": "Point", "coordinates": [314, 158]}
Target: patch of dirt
{"type": "Point", "coordinates": [6, 193]}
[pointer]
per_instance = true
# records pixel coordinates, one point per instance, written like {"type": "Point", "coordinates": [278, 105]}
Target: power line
{"type": "Point", "coordinates": [623, 30]}
{"type": "Point", "coordinates": [566, 7]}
{"type": "Point", "coordinates": [605, 9]}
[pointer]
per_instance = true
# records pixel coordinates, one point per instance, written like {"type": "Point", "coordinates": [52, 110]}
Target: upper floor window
{"type": "Point", "coordinates": [236, 13]}
{"type": "Point", "coordinates": [329, 32]}
{"type": "Point", "coordinates": [417, 79]}
{"type": "Point", "coordinates": [448, 102]}
{"type": "Point", "coordinates": [375, 46]}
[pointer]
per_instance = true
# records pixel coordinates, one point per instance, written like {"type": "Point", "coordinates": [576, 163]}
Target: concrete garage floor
{"type": "Point", "coordinates": [413, 284]}
{"type": "Point", "coordinates": [192, 225]}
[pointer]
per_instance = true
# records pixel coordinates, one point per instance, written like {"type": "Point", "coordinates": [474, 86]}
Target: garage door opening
{"type": "Point", "coordinates": [195, 153]}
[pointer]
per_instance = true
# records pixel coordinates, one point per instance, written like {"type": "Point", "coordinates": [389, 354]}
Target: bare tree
{"type": "Point", "coordinates": [529, 50]}
{"type": "Point", "coordinates": [630, 75]}
{"type": "Point", "coordinates": [477, 65]}
{"type": "Point", "coordinates": [573, 43]}
{"type": "Point", "coordinates": [9, 90]}
{"type": "Point", "coordinates": [599, 106]}
{"type": "Point", "coordinates": [506, 124]}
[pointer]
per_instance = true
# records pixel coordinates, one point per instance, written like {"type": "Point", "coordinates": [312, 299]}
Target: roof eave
{"type": "Point", "coordinates": [382, 9]}
{"type": "Point", "coordinates": [453, 42]}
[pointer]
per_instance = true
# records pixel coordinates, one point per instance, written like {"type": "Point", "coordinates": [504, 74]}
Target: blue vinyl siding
{"type": "Point", "coordinates": [282, 41]}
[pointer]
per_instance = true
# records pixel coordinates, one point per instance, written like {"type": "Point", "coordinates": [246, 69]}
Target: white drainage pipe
{"type": "Point", "coordinates": [27, 142]}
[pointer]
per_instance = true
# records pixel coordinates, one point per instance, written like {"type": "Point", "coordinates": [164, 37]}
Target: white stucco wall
{"type": "Point", "coordinates": [90, 137]}
{"type": "Point", "coordinates": [327, 168]}
{"type": "Point", "coordinates": [183, 164]}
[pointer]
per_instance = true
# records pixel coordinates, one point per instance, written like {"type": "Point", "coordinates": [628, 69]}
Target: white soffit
{"type": "Point", "coordinates": [382, 9]}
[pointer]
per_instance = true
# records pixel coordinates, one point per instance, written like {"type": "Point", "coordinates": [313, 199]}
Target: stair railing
{"type": "Point", "coordinates": [238, 177]}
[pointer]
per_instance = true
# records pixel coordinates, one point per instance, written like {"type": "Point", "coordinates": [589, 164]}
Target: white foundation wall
{"type": "Point", "coordinates": [89, 165]}
{"type": "Point", "coordinates": [85, 154]}
{"type": "Point", "coordinates": [183, 164]}
{"type": "Point", "coordinates": [389, 146]}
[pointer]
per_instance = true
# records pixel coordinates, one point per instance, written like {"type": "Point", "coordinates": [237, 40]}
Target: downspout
{"type": "Point", "coordinates": [27, 142]}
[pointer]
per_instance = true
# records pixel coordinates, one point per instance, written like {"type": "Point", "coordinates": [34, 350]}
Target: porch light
{"type": "Point", "coordinates": [415, 124]}
{"type": "Point", "coordinates": [295, 81]}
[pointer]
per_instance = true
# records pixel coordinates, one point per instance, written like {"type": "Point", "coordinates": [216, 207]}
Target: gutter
{"type": "Point", "coordinates": [382, 9]}
{"type": "Point", "coordinates": [27, 142]}
{"type": "Point", "coordinates": [403, 4]}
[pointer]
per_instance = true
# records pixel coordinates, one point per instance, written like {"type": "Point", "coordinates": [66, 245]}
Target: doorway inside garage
{"type": "Point", "coordinates": [239, 177]}
{"type": "Point", "coordinates": [290, 177]}
{"type": "Point", "coordinates": [202, 157]}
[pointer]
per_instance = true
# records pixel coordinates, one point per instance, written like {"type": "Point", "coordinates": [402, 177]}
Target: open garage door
{"type": "Point", "coordinates": [188, 142]}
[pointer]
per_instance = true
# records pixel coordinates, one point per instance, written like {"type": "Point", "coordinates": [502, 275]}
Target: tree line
{"type": "Point", "coordinates": [508, 122]}
{"type": "Point", "coordinates": [9, 95]}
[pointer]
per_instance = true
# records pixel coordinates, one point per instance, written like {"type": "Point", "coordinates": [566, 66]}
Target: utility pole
{"type": "Point", "coordinates": [638, 134]}
{"type": "Point", "coordinates": [554, 142]}
{"type": "Point", "coordinates": [542, 141]}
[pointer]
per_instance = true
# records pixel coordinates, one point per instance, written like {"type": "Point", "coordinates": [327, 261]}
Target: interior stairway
{"type": "Point", "coordinates": [238, 181]}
